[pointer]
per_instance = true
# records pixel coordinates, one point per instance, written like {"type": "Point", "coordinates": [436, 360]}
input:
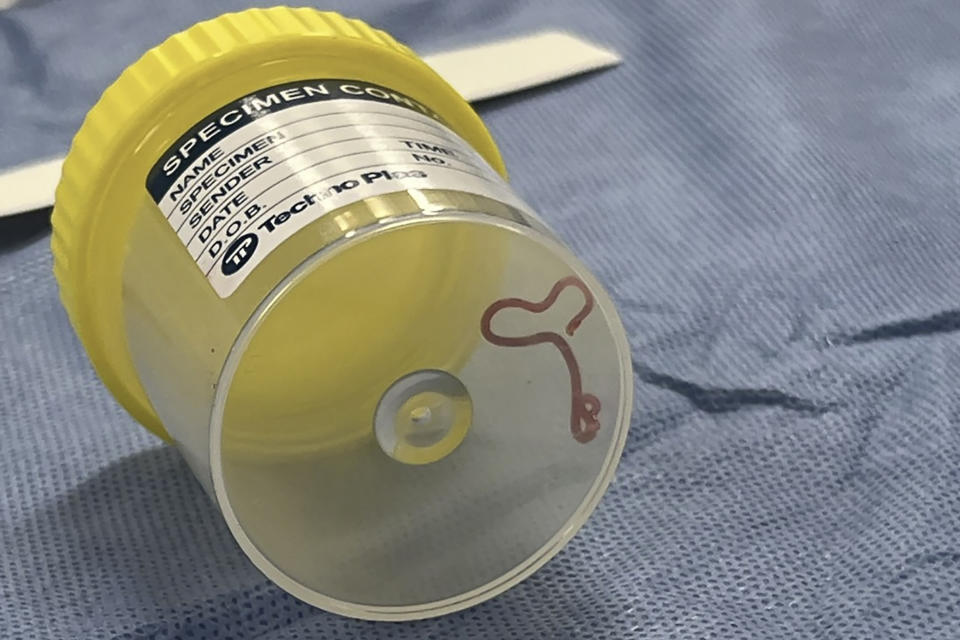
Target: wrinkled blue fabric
{"type": "Point", "coordinates": [769, 189]}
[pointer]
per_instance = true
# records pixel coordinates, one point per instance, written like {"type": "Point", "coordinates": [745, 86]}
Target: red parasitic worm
{"type": "Point", "coordinates": [585, 407]}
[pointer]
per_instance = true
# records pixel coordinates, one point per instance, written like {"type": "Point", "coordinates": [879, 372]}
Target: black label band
{"type": "Point", "coordinates": [244, 110]}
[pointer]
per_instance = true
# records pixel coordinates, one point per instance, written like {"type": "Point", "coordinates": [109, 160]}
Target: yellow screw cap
{"type": "Point", "coordinates": [157, 98]}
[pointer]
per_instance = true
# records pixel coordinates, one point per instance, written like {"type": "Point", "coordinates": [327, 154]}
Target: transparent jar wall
{"type": "Point", "coordinates": [307, 489]}
{"type": "Point", "coordinates": [179, 331]}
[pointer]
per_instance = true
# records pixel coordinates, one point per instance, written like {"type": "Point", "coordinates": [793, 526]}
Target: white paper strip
{"type": "Point", "coordinates": [29, 187]}
{"type": "Point", "coordinates": [506, 66]}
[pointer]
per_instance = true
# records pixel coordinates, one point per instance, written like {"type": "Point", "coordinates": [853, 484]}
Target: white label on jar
{"type": "Point", "coordinates": [262, 167]}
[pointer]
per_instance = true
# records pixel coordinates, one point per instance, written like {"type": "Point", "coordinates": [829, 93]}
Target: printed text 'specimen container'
{"type": "Point", "coordinates": [289, 248]}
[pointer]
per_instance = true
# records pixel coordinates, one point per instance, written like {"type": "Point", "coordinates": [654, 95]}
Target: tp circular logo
{"type": "Point", "coordinates": [239, 253]}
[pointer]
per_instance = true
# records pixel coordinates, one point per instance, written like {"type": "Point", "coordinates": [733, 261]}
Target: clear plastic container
{"type": "Point", "coordinates": [404, 395]}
